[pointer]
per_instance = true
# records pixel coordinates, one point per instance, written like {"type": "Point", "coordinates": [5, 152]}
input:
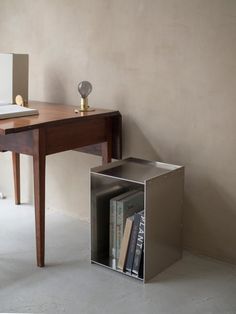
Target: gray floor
{"type": "Point", "coordinates": [70, 284]}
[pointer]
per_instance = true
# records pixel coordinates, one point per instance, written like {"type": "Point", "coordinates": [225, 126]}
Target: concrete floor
{"type": "Point", "coordinates": [70, 284]}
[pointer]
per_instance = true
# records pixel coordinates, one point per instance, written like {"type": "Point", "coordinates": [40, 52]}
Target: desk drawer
{"type": "Point", "coordinates": [21, 142]}
{"type": "Point", "coordinates": [75, 134]}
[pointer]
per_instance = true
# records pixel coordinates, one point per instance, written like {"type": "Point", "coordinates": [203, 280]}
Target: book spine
{"type": "Point", "coordinates": [112, 237]}
{"type": "Point", "coordinates": [119, 227]}
{"type": "Point", "coordinates": [132, 243]}
{"type": "Point", "coordinates": [125, 208]}
{"type": "Point", "coordinates": [125, 243]}
{"type": "Point", "coordinates": [139, 246]}
{"type": "Point", "coordinates": [140, 274]}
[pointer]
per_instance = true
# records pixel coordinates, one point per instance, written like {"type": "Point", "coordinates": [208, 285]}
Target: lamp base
{"type": "Point", "coordinates": [84, 107]}
{"type": "Point", "coordinates": [86, 110]}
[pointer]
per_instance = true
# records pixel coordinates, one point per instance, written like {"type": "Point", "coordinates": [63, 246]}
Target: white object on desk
{"type": "Point", "coordinates": [13, 77]}
{"type": "Point", "coordinates": [12, 111]}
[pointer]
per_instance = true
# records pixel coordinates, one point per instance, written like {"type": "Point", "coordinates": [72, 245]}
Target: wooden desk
{"type": "Point", "coordinates": [57, 129]}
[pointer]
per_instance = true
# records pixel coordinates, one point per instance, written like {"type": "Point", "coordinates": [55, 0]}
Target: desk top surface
{"type": "Point", "coordinates": [49, 114]}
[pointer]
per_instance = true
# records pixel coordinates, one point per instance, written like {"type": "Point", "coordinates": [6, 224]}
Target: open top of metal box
{"type": "Point", "coordinates": [135, 170]}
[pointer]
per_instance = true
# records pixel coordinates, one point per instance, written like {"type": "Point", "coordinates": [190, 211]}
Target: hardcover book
{"type": "Point", "coordinates": [113, 216]}
{"type": "Point", "coordinates": [139, 246]}
{"type": "Point", "coordinates": [132, 243]}
{"type": "Point", "coordinates": [141, 270]}
{"type": "Point", "coordinates": [100, 201]}
{"type": "Point", "coordinates": [125, 243]}
{"type": "Point", "coordinates": [14, 111]}
{"type": "Point", "coordinates": [127, 207]}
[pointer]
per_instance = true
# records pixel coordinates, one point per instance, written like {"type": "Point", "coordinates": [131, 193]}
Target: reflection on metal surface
{"type": "Point", "coordinates": [137, 170]}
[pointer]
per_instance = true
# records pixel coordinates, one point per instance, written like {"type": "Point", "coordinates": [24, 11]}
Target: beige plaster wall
{"type": "Point", "coordinates": [169, 67]}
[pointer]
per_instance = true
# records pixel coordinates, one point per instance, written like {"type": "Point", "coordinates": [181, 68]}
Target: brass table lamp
{"type": "Point", "coordinates": [85, 89]}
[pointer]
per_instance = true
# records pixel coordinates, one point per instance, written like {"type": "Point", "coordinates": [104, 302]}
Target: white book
{"type": "Point", "coordinates": [13, 111]}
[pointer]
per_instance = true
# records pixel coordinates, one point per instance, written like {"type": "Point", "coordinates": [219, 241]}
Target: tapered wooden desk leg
{"type": "Point", "coordinates": [107, 146]}
{"type": "Point", "coordinates": [39, 195]}
{"type": "Point", "coordinates": [16, 173]}
{"type": "Point", "coordinates": [106, 152]}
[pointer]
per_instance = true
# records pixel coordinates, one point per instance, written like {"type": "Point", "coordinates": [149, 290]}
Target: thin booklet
{"type": "Point", "coordinates": [14, 111]}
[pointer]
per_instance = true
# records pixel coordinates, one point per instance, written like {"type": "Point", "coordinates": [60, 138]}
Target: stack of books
{"type": "Point", "coordinates": [126, 233]}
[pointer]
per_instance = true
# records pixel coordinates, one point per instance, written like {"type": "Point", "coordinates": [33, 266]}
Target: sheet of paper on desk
{"type": "Point", "coordinates": [13, 111]}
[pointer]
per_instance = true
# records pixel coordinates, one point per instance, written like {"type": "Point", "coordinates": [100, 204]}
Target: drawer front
{"type": "Point", "coordinates": [75, 134]}
{"type": "Point", "coordinates": [21, 142]}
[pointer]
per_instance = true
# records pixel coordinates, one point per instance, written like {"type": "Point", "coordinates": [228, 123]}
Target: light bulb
{"type": "Point", "coordinates": [85, 88]}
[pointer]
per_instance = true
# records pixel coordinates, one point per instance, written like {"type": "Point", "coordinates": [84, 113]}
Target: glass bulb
{"type": "Point", "coordinates": [85, 88]}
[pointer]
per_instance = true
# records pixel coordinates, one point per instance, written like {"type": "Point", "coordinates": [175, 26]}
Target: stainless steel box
{"type": "Point", "coordinates": [163, 186]}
